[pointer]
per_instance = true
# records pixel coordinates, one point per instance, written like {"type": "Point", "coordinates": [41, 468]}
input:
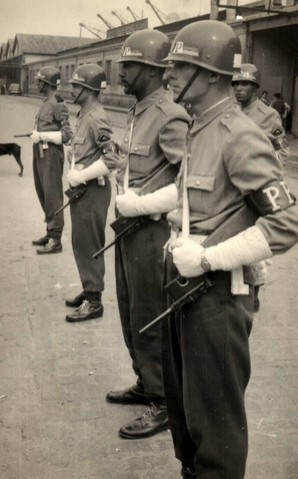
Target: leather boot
{"type": "Point", "coordinates": [152, 422]}
{"type": "Point", "coordinates": [41, 241]}
{"type": "Point", "coordinates": [54, 246]}
{"type": "Point", "coordinates": [86, 311]}
{"type": "Point", "coordinates": [76, 301]}
{"type": "Point", "coordinates": [132, 395]}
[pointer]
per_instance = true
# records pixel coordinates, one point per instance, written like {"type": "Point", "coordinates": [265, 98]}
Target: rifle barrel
{"type": "Point", "coordinates": [23, 136]}
{"type": "Point", "coordinates": [102, 250]}
{"type": "Point", "coordinates": [156, 320]}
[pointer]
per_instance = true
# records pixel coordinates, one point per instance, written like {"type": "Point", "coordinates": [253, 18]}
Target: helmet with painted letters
{"type": "Point", "coordinates": [209, 44]}
{"type": "Point", "coordinates": [90, 76]}
{"type": "Point", "coordinates": [146, 46]}
{"type": "Point", "coordinates": [248, 72]}
{"type": "Point", "coordinates": [49, 75]}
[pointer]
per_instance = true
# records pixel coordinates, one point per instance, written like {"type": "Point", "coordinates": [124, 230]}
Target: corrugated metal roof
{"type": "Point", "coordinates": [48, 44]}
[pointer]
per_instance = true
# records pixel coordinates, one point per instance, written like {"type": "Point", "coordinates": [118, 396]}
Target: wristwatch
{"type": "Point", "coordinates": [205, 265]}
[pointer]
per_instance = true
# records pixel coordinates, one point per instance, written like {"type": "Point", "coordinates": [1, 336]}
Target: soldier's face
{"type": "Point", "coordinates": [130, 77]}
{"type": "Point", "coordinates": [179, 76]}
{"type": "Point", "coordinates": [78, 95]}
{"type": "Point", "coordinates": [244, 91]}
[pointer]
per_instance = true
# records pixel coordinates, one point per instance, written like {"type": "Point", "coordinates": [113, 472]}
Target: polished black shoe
{"type": "Point", "coordinates": [132, 395]}
{"type": "Point", "coordinates": [41, 241]}
{"type": "Point", "coordinates": [155, 420]}
{"type": "Point", "coordinates": [76, 301]}
{"type": "Point", "coordinates": [86, 311]}
{"type": "Point", "coordinates": [54, 246]}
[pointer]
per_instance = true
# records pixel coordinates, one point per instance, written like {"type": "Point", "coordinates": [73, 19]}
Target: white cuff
{"type": "Point", "coordinates": [51, 136]}
{"type": "Point", "coordinates": [246, 248]}
{"type": "Point", "coordinates": [161, 201]}
{"type": "Point", "coordinates": [96, 169]}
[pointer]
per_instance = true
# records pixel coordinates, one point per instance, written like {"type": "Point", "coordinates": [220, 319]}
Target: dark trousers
{"type": "Point", "coordinates": [139, 286]}
{"type": "Point", "coordinates": [47, 173]}
{"type": "Point", "coordinates": [88, 220]}
{"type": "Point", "coordinates": [206, 368]}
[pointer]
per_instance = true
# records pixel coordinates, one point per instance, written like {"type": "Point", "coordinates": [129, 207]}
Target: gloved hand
{"type": "Point", "coordinates": [74, 177]}
{"type": "Point", "coordinates": [110, 160]}
{"type": "Point", "coordinates": [35, 136]}
{"type": "Point", "coordinates": [260, 271]}
{"type": "Point", "coordinates": [127, 204]}
{"type": "Point", "coordinates": [187, 257]}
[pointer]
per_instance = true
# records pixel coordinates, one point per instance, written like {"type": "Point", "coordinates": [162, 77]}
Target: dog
{"type": "Point", "coordinates": [15, 150]}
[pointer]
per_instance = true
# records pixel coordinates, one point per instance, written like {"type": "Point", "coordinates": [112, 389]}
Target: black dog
{"type": "Point", "coordinates": [15, 150]}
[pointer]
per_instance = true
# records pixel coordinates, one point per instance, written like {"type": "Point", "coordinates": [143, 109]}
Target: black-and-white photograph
{"type": "Point", "coordinates": [148, 237]}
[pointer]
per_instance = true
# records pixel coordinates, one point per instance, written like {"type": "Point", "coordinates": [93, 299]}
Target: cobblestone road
{"type": "Point", "coordinates": [55, 423]}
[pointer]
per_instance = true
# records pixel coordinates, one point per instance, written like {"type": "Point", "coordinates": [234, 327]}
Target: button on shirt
{"type": "Point", "coordinates": [159, 131]}
{"type": "Point", "coordinates": [92, 130]}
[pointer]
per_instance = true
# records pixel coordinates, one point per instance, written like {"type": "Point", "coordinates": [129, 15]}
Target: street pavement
{"type": "Point", "coordinates": [55, 422]}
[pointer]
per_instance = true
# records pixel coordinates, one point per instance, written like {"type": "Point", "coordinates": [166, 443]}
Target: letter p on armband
{"type": "Point", "coordinates": [271, 198]}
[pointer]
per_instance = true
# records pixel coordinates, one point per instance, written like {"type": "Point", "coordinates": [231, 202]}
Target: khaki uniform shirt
{"type": "Point", "coordinates": [230, 157]}
{"type": "Point", "coordinates": [269, 121]}
{"type": "Point", "coordinates": [158, 137]}
{"type": "Point", "coordinates": [92, 130]}
{"type": "Point", "coordinates": [54, 116]}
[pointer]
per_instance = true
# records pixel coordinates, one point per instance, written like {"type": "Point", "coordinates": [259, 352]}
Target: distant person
{"type": "Point", "coordinates": [264, 97]}
{"type": "Point", "coordinates": [89, 213]}
{"type": "Point", "coordinates": [246, 84]}
{"type": "Point", "coordinates": [52, 130]}
{"type": "Point", "coordinates": [278, 104]}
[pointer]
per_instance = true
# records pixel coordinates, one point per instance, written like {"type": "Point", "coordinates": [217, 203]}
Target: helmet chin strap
{"type": "Point", "coordinates": [78, 96]}
{"type": "Point", "coordinates": [42, 87]}
{"type": "Point", "coordinates": [135, 80]}
{"type": "Point", "coordinates": [188, 85]}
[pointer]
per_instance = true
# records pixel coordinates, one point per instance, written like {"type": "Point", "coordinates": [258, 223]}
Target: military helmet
{"type": "Point", "coordinates": [248, 72]}
{"type": "Point", "coordinates": [209, 44]}
{"type": "Point", "coordinates": [90, 76]}
{"type": "Point", "coordinates": [49, 75]}
{"type": "Point", "coordinates": [146, 46]}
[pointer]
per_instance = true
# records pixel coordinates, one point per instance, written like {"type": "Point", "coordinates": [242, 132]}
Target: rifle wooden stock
{"type": "Point", "coordinates": [123, 227]}
{"type": "Point", "coordinates": [183, 290]}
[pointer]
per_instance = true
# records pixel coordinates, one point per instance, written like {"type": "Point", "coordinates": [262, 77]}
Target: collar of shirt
{"type": "Point", "coordinates": [211, 113]}
{"type": "Point", "coordinates": [83, 111]}
{"type": "Point", "coordinates": [149, 101]}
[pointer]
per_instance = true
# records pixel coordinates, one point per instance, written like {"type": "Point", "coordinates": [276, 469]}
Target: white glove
{"type": "Point", "coordinates": [74, 177]}
{"type": "Point", "coordinates": [247, 247]}
{"type": "Point", "coordinates": [161, 201]}
{"type": "Point", "coordinates": [34, 137]}
{"type": "Point", "coordinates": [51, 137]}
{"type": "Point", "coordinates": [260, 271]}
{"type": "Point", "coordinates": [187, 257]}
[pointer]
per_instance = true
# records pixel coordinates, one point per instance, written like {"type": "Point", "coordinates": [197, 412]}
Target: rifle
{"type": "Point", "coordinates": [184, 290]}
{"type": "Point", "coordinates": [124, 226]}
{"type": "Point", "coordinates": [73, 194]}
{"type": "Point", "coordinates": [23, 136]}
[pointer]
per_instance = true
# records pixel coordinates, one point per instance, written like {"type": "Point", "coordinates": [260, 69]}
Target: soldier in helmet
{"type": "Point", "coordinates": [52, 130]}
{"type": "Point", "coordinates": [228, 163]}
{"type": "Point", "coordinates": [92, 139]}
{"type": "Point", "coordinates": [246, 84]}
{"type": "Point", "coordinates": [149, 159]}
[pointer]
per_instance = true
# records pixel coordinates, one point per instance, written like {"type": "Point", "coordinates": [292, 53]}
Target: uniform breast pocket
{"type": "Point", "coordinates": [78, 143]}
{"type": "Point", "coordinates": [139, 158]}
{"type": "Point", "coordinates": [200, 187]}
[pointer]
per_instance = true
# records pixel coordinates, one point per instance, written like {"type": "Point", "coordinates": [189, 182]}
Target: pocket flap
{"type": "Point", "coordinates": [200, 182]}
{"type": "Point", "coordinates": [140, 149]}
{"type": "Point", "coordinates": [79, 140]}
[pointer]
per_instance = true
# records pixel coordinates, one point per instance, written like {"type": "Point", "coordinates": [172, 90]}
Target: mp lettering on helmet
{"type": "Point", "coordinates": [179, 47]}
{"type": "Point", "coordinates": [271, 198]}
{"type": "Point", "coordinates": [128, 52]}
